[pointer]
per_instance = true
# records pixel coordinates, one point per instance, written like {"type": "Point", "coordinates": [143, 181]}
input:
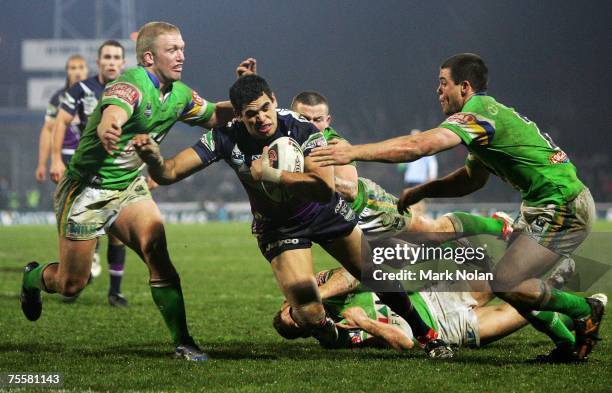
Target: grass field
{"type": "Point", "coordinates": [231, 297]}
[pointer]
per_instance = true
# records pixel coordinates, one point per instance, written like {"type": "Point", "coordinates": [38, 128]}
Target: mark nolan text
{"type": "Point", "coordinates": [430, 275]}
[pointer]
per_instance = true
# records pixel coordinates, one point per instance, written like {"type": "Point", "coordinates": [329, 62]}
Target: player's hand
{"type": "Point", "coordinates": [148, 150]}
{"type": "Point", "coordinates": [109, 137]}
{"type": "Point", "coordinates": [41, 173]}
{"type": "Point", "coordinates": [262, 171]}
{"type": "Point", "coordinates": [408, 197]}
{"type": "Point", "coordinates": [246, 67]}
{"type": "Point", "coordinates": [351, 315]}
{"type": "Point", "coordinates": [337, 152]}
{"type": "Point", "coordinates": [57, 170]}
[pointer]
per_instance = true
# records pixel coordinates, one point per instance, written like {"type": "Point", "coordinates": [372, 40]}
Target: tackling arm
{"type": "Point", "coordinates": [461, 182]}
{"type": "Point", "coordinates": [401, 149]}
{"type": "Point", "coordinates": [345, 179]}
{"type": "Point", "coordinates": [392, 335]}
{"type": "Point", "coordinates": [169, 171]}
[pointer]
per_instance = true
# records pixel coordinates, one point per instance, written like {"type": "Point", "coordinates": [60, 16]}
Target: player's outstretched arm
{"type": "Point", "coordinates": [345, 179]}
{"type": "Point", "coordinates": [223, 114]}
{"type": "Point", "coordinates": [316, 183]}
{"type": "Point", "coordinates": [461, 182]}
{"type": "Point", "coordinates": [356, 316]}
{"type": "Point", "coordinates": [401, 149]}
{"type": "Point", "coordinates": [169, 171]}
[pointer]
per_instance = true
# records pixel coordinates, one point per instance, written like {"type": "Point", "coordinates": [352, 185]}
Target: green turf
{"type": "Point", "coordinates": [231, 296]}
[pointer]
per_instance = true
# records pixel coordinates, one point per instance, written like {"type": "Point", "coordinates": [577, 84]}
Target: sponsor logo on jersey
{"type": "Point", "coordinates": [148, 111]}
{"type": "Point", "coordinates": [461, 118]}
{"type": "Point", "coordinates": [199, 101]}
{"type": "Point", "coordinates": [209, 141]}
{"type": "Point", "coordinates": [558, 158]}
{"type": "Point", "coordinates": [123, 91]}
{"type": "Point", "coordinates": [237, 156]}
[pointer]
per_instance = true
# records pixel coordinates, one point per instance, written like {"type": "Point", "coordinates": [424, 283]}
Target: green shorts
{"type": "Point", "coordinates": [84, 212]}
{"type": "Point", "coordinates": [560, 228]}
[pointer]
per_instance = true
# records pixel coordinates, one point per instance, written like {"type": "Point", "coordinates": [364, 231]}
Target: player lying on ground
{"type": "Point", "coordinates": [103, 192]}
{"type": "Point", "coordinates": [285, 228]}
{"type": "Point", "coordinates": [457, 311]}
{"type": "Point", "coordinates": [557, 210]}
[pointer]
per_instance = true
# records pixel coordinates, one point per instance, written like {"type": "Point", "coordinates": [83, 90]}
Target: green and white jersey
{"type": "Point", "coordinates": [512, 147]}
{"type": "Point", "coordinates": [376, 310]}
{"type": "Point", "coordinates": [138, 93]}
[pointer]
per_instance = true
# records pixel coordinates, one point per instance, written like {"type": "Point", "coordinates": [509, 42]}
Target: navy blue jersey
{"type": "Point", "coordinates": [81, 99]}
{"type": "Point", "coordinates": [238, 148]}
{"type": "Point", "coordinates": [71, 138]}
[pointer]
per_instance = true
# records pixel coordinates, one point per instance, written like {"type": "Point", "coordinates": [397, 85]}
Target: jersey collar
{"type": "Point", "coordinates": [153, 78]}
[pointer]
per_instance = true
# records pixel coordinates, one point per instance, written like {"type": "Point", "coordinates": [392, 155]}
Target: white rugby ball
{"type": "Point", "coordinates": [285, 154]}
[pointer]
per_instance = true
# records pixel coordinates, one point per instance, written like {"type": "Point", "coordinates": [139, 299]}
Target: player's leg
{"type": "Point", "coordinates": [78, 229]}
{"type": "Point", "coordinates": [496, 322]}
{"type": "Point", "coordinates": [515, 276]}
{"type": "Point", "coordinates": [139, 226]}
{"type": "Point", "coordinates": [295, 277]}
{"type": "Point", "coordinates": [116, 262]}
{"type": "Point", "coordinates": [348, 251]}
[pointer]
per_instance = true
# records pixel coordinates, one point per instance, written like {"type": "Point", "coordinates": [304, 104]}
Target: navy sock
{"type": "Point", "coordinates": [116, 264]}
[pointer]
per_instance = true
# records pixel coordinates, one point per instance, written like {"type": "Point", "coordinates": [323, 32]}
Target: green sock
{"type": "Point", "coordinates": [551, 323]}
{"type": "Point", "coordinates": [169, 300]}
{"type": "Point", "coordinates": [567, 321]}
{"type": "Point", "coordinates": [472, 224]}
{"type": "Point", "coordinates": [566, 303]}
{"type": "Point", "coordinates": [33, 278]}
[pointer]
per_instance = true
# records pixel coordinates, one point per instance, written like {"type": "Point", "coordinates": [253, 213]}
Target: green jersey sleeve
{"type": "Point", "coordinates": [123, 93]}
{"type": "Point", "coordinates": [198, 110]}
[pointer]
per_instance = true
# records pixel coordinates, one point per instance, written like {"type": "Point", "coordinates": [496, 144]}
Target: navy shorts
{"type": "Point", "coordinates": [335, 220]}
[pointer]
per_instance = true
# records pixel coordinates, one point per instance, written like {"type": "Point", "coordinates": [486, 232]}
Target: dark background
{"type": "Point", "coordinates": [377, 62]}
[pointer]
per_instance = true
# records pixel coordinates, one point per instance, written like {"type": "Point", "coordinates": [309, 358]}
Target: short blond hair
{"type": "Point", "coordinates": [147, 35]}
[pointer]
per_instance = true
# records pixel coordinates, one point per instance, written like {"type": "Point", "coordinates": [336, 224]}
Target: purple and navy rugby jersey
{"type": "Point", "coordinates": [238, 148]}
{"type": "Point", "coordinates": [71, 138]}
{"type": "Point", "coordinates": [80, 100]}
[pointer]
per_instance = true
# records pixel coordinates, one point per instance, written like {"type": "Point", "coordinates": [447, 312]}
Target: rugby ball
{"type": "Point", "coordinates": [285, 154]}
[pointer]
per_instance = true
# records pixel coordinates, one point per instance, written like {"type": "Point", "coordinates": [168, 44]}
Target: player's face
{"type": "Point", "coordinates": [259, 117]}
{"type": "Point", "coordinates": [76, 70]}
{"type": "Point", "coordinates": [317, 114]}
{"type": "Point", "coordinates": [169, 57]}
{"type": "Point", "coordinates": [449, 94]}
{"type": "Point", "coordinates": [110, 62]}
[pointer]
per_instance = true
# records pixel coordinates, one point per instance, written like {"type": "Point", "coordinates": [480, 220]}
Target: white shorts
{"type": "Point", "coordinates": [452, 307]}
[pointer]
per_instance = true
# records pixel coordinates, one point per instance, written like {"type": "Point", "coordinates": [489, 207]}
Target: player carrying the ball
{"type": "Point", "coordinates": [286, 227]}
